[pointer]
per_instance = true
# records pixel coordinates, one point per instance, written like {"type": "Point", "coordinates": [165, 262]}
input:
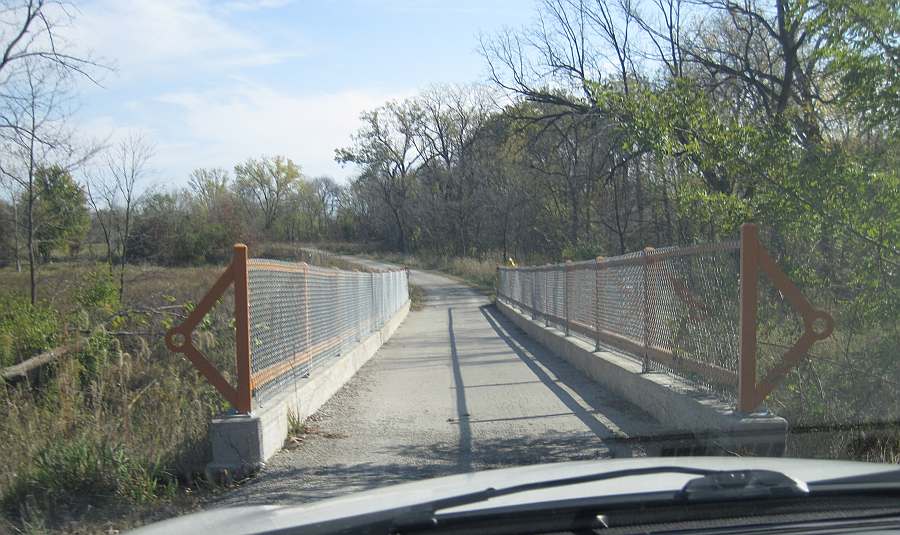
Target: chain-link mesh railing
{"type": "Point", "coordinates": [676, 308]}
{"type": "Point", "coordinates": [290, 320]}
{"type": "Point", "coordinates": [689, 311]}
{"type": "Point", "coordinates": [303, 317]}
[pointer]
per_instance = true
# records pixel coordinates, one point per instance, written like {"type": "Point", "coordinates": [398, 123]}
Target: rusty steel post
{"type": "Point", "coordinates": [242, 329]}
{"type": "Point", "coordinates": [645, 266]}
{"type": "Point", "coordinates": [568, 269]}
{"type": "Point", "coordinates": [599, 260]}
{"type": "Point", "coordinates": [749, 297]}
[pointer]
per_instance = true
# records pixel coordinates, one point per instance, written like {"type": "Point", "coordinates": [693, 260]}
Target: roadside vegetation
{"type": "Point", "coordinates": [113, 432]}
{"type": "Point", "coordinates": [114, 429]}
{"type": "Point", "coordinates": [622, 125]}
{"type": "Point", "coordinates": [416, 297]}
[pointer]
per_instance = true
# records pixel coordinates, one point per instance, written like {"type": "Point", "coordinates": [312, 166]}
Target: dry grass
{"type": "Point", "coordinates": [416, 297]}
{"type": "Point", "coordinates": [115, 434]}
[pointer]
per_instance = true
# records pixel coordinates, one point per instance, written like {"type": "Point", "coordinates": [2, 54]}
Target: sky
{"type": "Point", "coordinates": [212, 83]}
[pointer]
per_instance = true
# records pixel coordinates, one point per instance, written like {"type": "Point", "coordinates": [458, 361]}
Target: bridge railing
{"type": "Point", "coordinates": [291, 319]}
{"type": "Point", "coordinates": [689, 311]}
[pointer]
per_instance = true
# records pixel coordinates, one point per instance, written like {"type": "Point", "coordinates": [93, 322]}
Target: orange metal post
{"type": "Point", "coordinates": [242, 328]}
{"type": "Point", "coordinates": [749, 295]}
{"type": "Point", "coordinates": [599, 259]}
{"type": "Point", "coordinates": [646, 259]}
{"type": "Point", "coordinates": [566, 299]}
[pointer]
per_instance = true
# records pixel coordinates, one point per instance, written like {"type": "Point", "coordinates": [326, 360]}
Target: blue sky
{"type": "Point", "coordinates": [213, 83]}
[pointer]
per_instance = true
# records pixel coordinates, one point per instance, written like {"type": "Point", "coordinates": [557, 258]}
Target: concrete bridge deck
{"type": "Point", "coordinates": [457, 388]}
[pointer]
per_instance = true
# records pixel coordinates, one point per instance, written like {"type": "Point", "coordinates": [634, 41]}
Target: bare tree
{"type": "Point", "coordinates": [127, 165]}
{"type": "Point", "coordinates": [102, 198]}
{"type": "Point", "coordinates": [35, 107]}
{"type": "Point", "coordinates": [28, 34]}
{"type": "Point", "coordinates": [326, 194]}
{"type": "Point", "coordinates": [384, 147]}
{"type": "Point", "coordinates": [210, 186]}
{"type": "Point", "coordinates": [35, 72]}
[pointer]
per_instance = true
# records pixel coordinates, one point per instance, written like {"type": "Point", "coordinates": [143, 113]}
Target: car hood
{"type": "Point", "coordinates": [255, 519]}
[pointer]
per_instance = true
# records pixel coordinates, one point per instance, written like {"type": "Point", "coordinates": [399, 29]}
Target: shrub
{"type": "Point", "coordinates": [94, 354]}
{"type": "Point", "coordinates": [98, 290]}
{"type": "Point", "coordinates": [25, 329]}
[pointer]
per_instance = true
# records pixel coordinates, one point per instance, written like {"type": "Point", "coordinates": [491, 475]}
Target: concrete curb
{"type": "Point", "coordinates": [242, 443]}
{"type": "Point", "coordinates": [694, 421]}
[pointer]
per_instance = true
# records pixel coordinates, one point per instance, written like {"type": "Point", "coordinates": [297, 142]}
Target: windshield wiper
{"type": "Point", "coordinates": [727, 482]}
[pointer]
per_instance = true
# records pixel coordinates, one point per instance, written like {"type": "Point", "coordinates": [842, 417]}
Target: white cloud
{"type": "Point", "coordinates": [152, 35]}
{"type": "Point", "coordinates": [188, 46]}
{"type": "Point", "coordinates": [252, 5]}
{"type": "Point", "coordinates": [224, 127]}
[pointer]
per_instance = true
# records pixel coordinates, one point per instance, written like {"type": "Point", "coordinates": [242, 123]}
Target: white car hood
{"type": "Point", "coordinates": [254, 519]}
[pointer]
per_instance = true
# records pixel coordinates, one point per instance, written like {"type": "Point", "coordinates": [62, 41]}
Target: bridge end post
{"type": "Point", "coordinates": [598, 260]}
{"type": "Point", "coordinates": [749, 297]}
{"type": "Point", "coordinates": [567, 269]}
{"type": "Point", "coordinates": [242, 329]}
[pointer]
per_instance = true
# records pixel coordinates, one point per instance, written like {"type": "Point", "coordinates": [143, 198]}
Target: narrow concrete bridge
{"type": "Point", "coordinates": [457, 388]}
{"type": "Point", "coordinates": [339, 387]}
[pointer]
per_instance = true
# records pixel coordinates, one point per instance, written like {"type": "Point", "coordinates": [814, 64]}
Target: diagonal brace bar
{"type": "Point", "coordinates": [817, 324]}
{"type": "Point", "coordinates": [179, 339]}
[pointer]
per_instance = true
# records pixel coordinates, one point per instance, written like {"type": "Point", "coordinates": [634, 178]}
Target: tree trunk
{"type": "Point", "coordinates": [32, 279]}
{"type": "Point", "coordinates": [401, 235]}
{"type": "Point", "coordinates": [30, 215]}
{"type": "Point", "coordinates": [506, 234]}
{"type": "Point", "coordinates": [16, 226]}
{"type": "Point", "coordinates": [124, 259]}
{"type": "Point", "coordinates": [639, 197]}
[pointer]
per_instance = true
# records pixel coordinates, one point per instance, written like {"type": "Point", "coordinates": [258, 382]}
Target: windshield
{"type": "Point", "coordinates": [259, 252]}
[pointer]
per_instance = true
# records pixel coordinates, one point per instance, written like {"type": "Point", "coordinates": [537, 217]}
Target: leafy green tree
{"type": "Point", "coordinates": [863, 46]}
{"type": "Point", "coordinates": [264, 184]}
{"type": "Point", "coordinates": [61, 212]}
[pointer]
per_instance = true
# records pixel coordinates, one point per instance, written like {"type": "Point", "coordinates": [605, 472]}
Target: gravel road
{"type": "Point", "coordinates": [458, 388]}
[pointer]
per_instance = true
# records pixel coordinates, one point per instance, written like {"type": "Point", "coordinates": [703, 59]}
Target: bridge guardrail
{"type": "Point", "coordinates": [690, 311]}
{"type": "Point", "coordinates": [290, 319]}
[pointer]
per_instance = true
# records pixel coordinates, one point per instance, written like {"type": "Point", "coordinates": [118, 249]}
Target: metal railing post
{"type": "Point", "coordinates": [598, 260]}
{"type": "Point", "coordinates": [645, 266]}
{"type": "Point", "coordinates": [566, 300]}
{"type": "Point", "coordinates": [749, 297]}
{"type": "Point", "coordinates": [242, 329]}
{"type": "Point", "coordinates": [533, 276]}
{"type": "Point", "coordinates": [546, 306]}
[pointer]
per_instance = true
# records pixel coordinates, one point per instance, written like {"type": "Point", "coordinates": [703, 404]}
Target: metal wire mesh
{"type": "Point", "coordinates": [304, 317]}
{"type": "Point", "coordinates": [677, 309]}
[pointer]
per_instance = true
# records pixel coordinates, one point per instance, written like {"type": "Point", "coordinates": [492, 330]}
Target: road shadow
{"type": "Point", "coordinates": [629, 426]}
{"type": "Point", "coordinates": [420, 462]}
{"type": "Point", "coordinates": [464, 453]}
